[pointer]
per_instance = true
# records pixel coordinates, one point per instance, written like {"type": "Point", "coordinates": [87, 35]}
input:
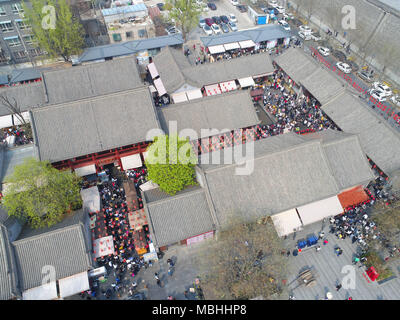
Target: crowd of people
{"type": "Point", "coordinates": [15, 136]}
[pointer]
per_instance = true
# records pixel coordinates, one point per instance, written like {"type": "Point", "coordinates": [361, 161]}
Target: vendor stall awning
{"type": "Point", "coordinates": [247, 44]}
{"type": "Point", "coordinates": [179, 97]}
{"type": "Point", "coordinates": [160, 87]}
{"type": "Point", "coordinates": [85, 171]}
{"type": "Point", "coordinates": [74, 284]}
{"type": "Point", "coordinates": [316, 211]}
{"type": "Point", "coordinates": [212, 90]}
{"type": "Point", "coordinates": [246, 82]}
{"type": "Point", "coordinates": [91, 199]}
{"type": "Point", "coordinates": [149, 185]}
{"type": "Point", "coordinates": [131, 162]}
{"type": "Point", "coordinates": [216, 49]}
{"type": "Point", "coordinates": [228, 86]}
{"type": "Point", "coordinates": [153, 70]}
{"type": "Point", "coordinates": [286, 222]}
{"type": "Point", "coordinates": [194, 94]}
{"type": "Point", "coordinates": [353, 197]}
{"type": "Point", "coordinates": [231, 46]}
{"type": "Point", "coordinates": [46, 291]}
{"type": "Point", "coordinates": [6, 121]}
{"type": "Point", "coordinates": [103, 246]}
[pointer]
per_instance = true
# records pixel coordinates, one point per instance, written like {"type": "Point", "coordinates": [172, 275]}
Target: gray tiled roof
{"type": "Point", "coordinates": [26, 74]}
{"type": "Point", "coordinates": [8, 273]}
{"type": "Point", "coordinates": [92, 125]}
{"type": "Point", "coordinates": [267, 33]}
{"type": "Point", "coordinates": [378, 139]}
{"type": "Point", "coordinates": [64, 246]}
{"type": "Point", "coordinates": [230, 111]}
{"type": "Point", "coordinates": [174, 72]}
{"type": "Point", "coordinates": [288, 172]}
{"type": "Point", "coordinates": [345, 156]}
{"type": "Point", "coordinates": [92, 80]}
{"type": "Point", "coordinates": [179, 217]}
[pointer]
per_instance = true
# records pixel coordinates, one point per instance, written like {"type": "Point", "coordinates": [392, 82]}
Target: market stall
{"type": "Point", "coordinates": [153, 70]}
{"type": "Point", "coordinates": [86, 170]}
{"type": "Point", "coordinates": [319, 210]}
{"type": "Point", "coordinates": [47, 291]}
{"type": "Point", "coordinates": [286, 222]}
{"type": "Point", "coordinates": [179, 97]}
{"type": "Point", "coordinates": [103, 246]}
{"type": "Point", "coordinates": [228, 86]}
{"type": "Point", "coordinates": [74, 284]}
{"type": "Point", "coordinates": [246, 82]}
{"type": "Point", "coordinates": [246, 44]}
{"type": "Point", "coordinates": [132, 161]}
{"type": "Point", "coordinates": [216, 49]}
{"type": "Point", "coordinates": [231, 46]}
{"type": "Point", "coordinates": [194, 94]}
{"type": "Point", "coordinates": [213, 90]}
{"type": "Point", "coordinates": [160, 87]}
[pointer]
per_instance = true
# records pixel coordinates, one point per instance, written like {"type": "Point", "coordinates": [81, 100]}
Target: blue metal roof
{"type": "Point", "coordinates": [124, 9]}
{"type": "Point", "coordinates": [27, 74]}
{"type": "Point", "coordinates": [266, 33]}
{"type": "Point", "coordinates": [129, 47]}
{"type": "Point", "coordinates": [3, 79]}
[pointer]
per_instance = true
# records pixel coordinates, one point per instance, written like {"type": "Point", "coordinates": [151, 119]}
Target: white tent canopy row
{"type": "Point", "coordinates": [216, 49]}
{"type": "Point", "coordinates": [286, 222]}
{"type": "Point", "coordinates": [86, 170]}
{"type": "Point", "coordinates": [228, 86]}
{"type": "Point", "coordinates": [246, 44]}
{"type": "Point", "coordinates": [74, 284]}
{"type": "Point", "coordinates": [7, 121]}
{"type": "Point", "coordinates": [213, 90]}
{"type": "Point", "coordinates": [47, 291]}
{"type": "Point", "coordinates": [231, 46]}
{"type": "Point", "coordinates": [319, 210]}
{"type": "Point", "coordinates": [153, 70]}
{"type": "Point", "coordinates": [179, 97]}
{"type": "Point", "coordinates": [160, 87]}
{"type": "Point", "coordinates": [194, 94]}
{"type": "Point", "coordinates": [246, 82]}
{"type": "Point", "coordinates": [131, 162]}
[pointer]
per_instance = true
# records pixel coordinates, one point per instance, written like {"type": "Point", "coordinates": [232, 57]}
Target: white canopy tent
{"type": "Point", "coordinates": [246, 44]}
{"type": "Point", "coordinates": [216, 49]}
{"type": "Point", "coordinates": [316, 211]}
{"type": "Point", "coordinates": [246, 82]}
{"type": "Point", "coordinates": [213, 90]}
{"type": "Point", "coordinates": [74, 284]}
{"type": "Point", "coordinates": [194, 94]}
{"type": "Point", "coordinates": [131, 162]}
{"type": "Point", "coordinates": [286, 222]}
{"type": "Point", "coordinates": [103, 247]}
{"type": "Point", "coordinates": [153, 70]}
{"type": "Point", "coordinates": [149, 185]}
{"type": "Point", "coordinates": [47, 291]}
{"type": "Point", "coordinates": [179, 97]}
{"type": "Point", "coordinates": [86, 170]}
{"type": "Point", "coordinates": [228, 86]}
{"type": "Point", "coordinates": [6, 121]}
{"type": "Point", "coordinates": [160, 87]}
{"type": "Point", "coordinates": [231, 46]}
{"type": "Point", "coordinates": [91, 199]}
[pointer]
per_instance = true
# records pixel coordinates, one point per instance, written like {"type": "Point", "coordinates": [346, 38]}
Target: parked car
{"type": "Point", "coordinates": [366, 76]}
{"type": "Point", "coordinates": [224, 19]}
{"type": "Point", "coordinates": [172, 30]}
{"type": "Point", "coordinates": [217, 20]}
{"type": "Point", "coordinates": [324, 51]}
{"type": "Point", "coordinates": [377, 95]}
{"type": "Point", "coordinates": [315, 36]}
{"type": "Point", "coordinates": [305, 29]}
{"type": "Point", "coordinates": [285, 25]}
{"type": "Point", "coordinates": [273, 3]}
{"type": "Point", "coordinates": [382, 87]}
{"type": "Point", "coordinates": [224, 27]}
{"type": "Point", "coordinates": [209, 21]}
{"type": "Point", "coordinates": [235, 2]}
{"type": "Point", "coordinates": [354, 66]}
{"type": "Point", "coordinates": [288, 16]}
{"type": "Point", "coordinates": [280, 9]}
{"type": "Point", "coordinates": [233, 26]}
{"type": "Point", "coordinates": [160, 6]}
{"type": "Point", "coordinates": [216, 28]}
{"type": "Point", "coordinates": [396, 100]}
{"type": "Point", "coordinates": [207, 30]}
{"type": "Point", "coordinates": [241, 8]}
{"type": "Point", "coordinates": [304, 36]}
{"type": "Point", "coordinates": [339, 55]}
{"type": "Point", "coordinates": [212, 6]}
{"type": "Point", "coordinates": [232, 17]}
{"type": "Point", "coordinates": [343, 67]}
{"type": "Point", "coordinates": [202, 23]}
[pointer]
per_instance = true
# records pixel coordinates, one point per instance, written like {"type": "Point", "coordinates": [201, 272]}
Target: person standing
{"type": "Point", "coordinates": [338, 287]}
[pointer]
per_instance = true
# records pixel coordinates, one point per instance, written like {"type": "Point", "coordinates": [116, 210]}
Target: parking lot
{"type": "Point", "coordinates": [224, 7]}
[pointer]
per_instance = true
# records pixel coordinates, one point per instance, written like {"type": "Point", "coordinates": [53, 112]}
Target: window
{"type": "Point", "coordinates": [2, 11]}
{"type": "Point", "coordinates": [117, 37]}
{"type": "Point", "coordinates": [35, 52]}
{"type": "Point", "coordinates": [13, 41]}
{"type": "Point", "coordinates": [129, 34]}
{"type": "Point", "coordinates": [29, 39]}
{"type": "Point", "coordinates": [6, 26]}
{"type": "Point", "coordinates": [17, 8]}
{"type": "Point", "coordinates": [22, 24]}
{"type": "Point", "coordinates": [20, 54]}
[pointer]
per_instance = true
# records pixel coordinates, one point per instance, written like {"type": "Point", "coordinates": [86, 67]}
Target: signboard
{"type": "Point", "coordinates": [199, 238]}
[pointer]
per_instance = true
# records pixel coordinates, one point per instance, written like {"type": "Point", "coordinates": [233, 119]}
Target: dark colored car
{"type": "Point", "coordinates": [160, 6]}
{"type": "Point", "coordinates": [366, 76]}
{"type": "Point", "coordinates": [354, 66]}
{"type": "Point", "coordinates": [216, 20]}
{"type": "Point", "coordinates": [224, 27]}
{"type": "Point", "coordinates": [209, 21]}
{"type": "Point", "coordinates": [241, 8]}
{"type": "Point", "coordinates": [339, 55]}
{"type": "Point", "coordinates": [224, 19]}
{"type": "Point", "coordinates": [212, 6]}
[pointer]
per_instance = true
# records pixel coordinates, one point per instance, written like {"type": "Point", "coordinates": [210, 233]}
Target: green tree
{"type": "Point", "coordinates": [58, 36]}
{"type": "Point", "coordinates": [40, 194]}
{"type": "Point", "coordinates": [186, 14]}
{"type": "Point", "coordinates": [170, 163]}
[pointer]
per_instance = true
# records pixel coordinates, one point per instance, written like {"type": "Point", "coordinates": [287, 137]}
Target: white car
{"type": "Point", "coordinates": [382, 87]}
{"type": "Point", "coordinates": [315, 37]}
{"type": "Point", "coordinates": [232, 18]}
{"type": "Point", "coordinates": [235, 2]}
{"type": "Point", "coordinates": [343, 67]}
{"type": "Point", "coordinates": [216, 28]}
{"type": "Point", "coordinates": [273, 3]}
{"type": "Point", "coordinates": [305, 29]}
{"type": "Point", "coordinates": [207, 30]}
{"type": "Point", "coordinates": [324, 51]}
{"type": "Point", "coordinates": [396, 100]}
{"type": "Point", "coordinates": [285, 25]}
{"type": "Point", "coordinates": [280, 9]}
{"type": "Point", "coordinates": [377, 95]}
{"type": "Point", "coordinates": [304, 36]}
{"type": "Point", "coordinates": [288, 16]}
